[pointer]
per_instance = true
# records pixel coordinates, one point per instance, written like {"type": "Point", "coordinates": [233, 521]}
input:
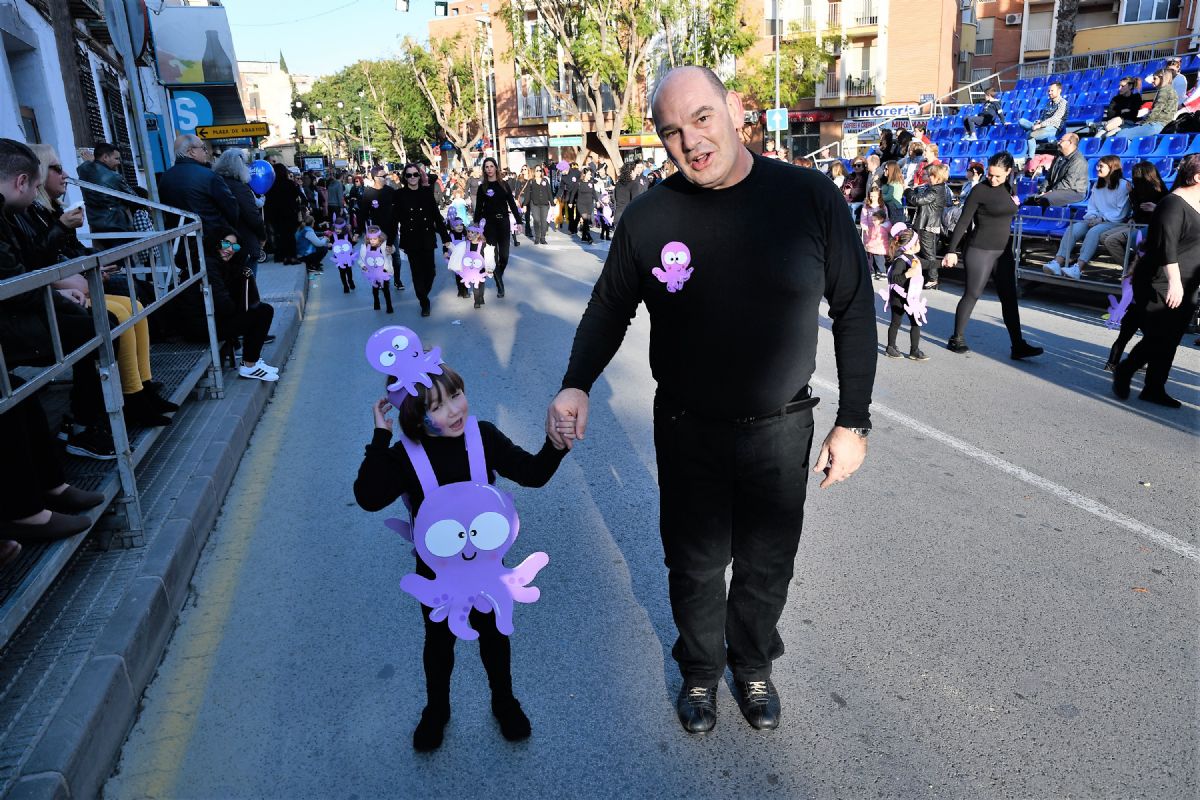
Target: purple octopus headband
{"type": "Point", "coordinates": [396, 352]}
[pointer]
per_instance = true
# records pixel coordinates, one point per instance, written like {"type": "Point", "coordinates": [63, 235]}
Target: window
{"type": "Point", "coordinates": [964, 67]}
{"type": "Point", "coordinates": [1150, 10]}
{"type": "Point", "coordinates": [984, 36]}
{"type": "Point", "coordinates": [979, 74]}
{"type": "Point", "coordinates": [968, 15]}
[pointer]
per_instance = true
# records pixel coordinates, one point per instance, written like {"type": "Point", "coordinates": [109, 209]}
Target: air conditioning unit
{"type": "Point", "coordinates": [1013, 19]}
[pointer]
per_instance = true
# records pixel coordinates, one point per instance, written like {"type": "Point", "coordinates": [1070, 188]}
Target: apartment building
{"type": "Point", "coordinates": [999, 35]}
{"type": "Point", "coordinates": [888, 57]}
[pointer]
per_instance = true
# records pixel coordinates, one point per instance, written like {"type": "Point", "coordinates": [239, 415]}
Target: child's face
{"type": "Point", "coordinates": [446, 415]}
{"type": "Point", "coordinates": [374, 241]}
{"type": "Point", "coordinates": [457, 227]}
{"type": "Point", "coordinates": [474, 236]}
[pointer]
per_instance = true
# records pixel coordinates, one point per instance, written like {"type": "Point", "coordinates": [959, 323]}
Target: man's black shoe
{"type": "Point", "coordinates": [697, 708]}
{"type": "Point", "coordinates": [94, 442]}
{"type": "Point", "coordinates": [1122, 376]}
{"type": "Point", "coordinates": [759, 703]}
{"type": "Point", "coordinates": [1024, 349]}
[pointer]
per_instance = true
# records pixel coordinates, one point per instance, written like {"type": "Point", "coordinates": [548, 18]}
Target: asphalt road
{"type": "Point", "coordinates": [1001, 603]}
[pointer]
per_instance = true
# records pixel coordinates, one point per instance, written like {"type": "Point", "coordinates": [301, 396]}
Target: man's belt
{"type": "Point", "coordinates": [803, 401]}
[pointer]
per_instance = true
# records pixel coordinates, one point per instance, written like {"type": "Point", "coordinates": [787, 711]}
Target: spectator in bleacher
{"type": "Point", "coordinates": [1166, 105]}
{"type": "Point", "coordinates": [913, 163]}
{"type": "Point", "coordinates": [802, 161]}
{"type": "Point", "coordinates": [52, 233]}
{"type": "Point", "coordinates": [874, 171]}
{"type": "Point", "coordinates": [24, 325]}
{"type": "Point", "coordinates": [37, 505]}
{"type": "Point", "coordinates": [1147, 192]}
{"type": "Point", "coordinates": [1165, 284]}
{"type": "Point", "coordinates": [975, 172]}
{"type": "Point", "coordinates": [1107, 207]}
{"type": "Point", "coordinates": [893, 191]}
{"type": "Point", "coordinates": [1067, 179]}
{"type": "Point", "coordinates": [903, 141]}
{"type": "Point", "coordinates": [1051, 119]}
{"type": "Point", "coordinates": [234, 170]}
{"type": "Point", "coordinates": [990, 209]}
{"type": "Point", "coordinates": [837, 173]}
{"type": "Point", "coordinates": [886, 148]}
{"type": "Point", "coordinates": [106, 214]}
{"type": "Point", "coordinates": [854, 189]}
{"type": "Point", "coordinates": [1123, 108]}
{"type": "Point", "coordinates": [1178, 81]}
{"type": "Point", "coordinates": [930, 201]}
{"type": "Point", "coordinates": [989, 115]}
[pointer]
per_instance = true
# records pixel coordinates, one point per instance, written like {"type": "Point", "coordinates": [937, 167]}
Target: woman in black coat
{"type": "Point", "coordinates": [493, 201]}
{"type": "Point", "coordinates": [585, 202]}
{"type": "Point", "coordinates": [251, 230]}
{"type": "Point", "coordinates": [415, 212]}
{"type": "Point", "coordinates": [283, 214]}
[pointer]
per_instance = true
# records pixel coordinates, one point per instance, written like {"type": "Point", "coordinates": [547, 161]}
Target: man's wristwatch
{"type": "Point", "coordinates": [862, 433]}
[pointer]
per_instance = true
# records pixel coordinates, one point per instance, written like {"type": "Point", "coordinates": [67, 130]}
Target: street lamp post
{"type": "Point", "coordinates": [362, 95]}
{"type": "Point", "coordinates": [777, 27]}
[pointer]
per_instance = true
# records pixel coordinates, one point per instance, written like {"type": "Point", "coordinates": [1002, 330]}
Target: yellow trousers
{"type": "Point", "coordinates": [133, 356]}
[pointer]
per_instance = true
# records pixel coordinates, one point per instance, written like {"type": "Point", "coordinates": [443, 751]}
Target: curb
{"type": "Point", "coordinates": [82, 741]}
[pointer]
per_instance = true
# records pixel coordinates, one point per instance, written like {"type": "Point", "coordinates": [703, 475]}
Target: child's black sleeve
{"type": "Point", "coordinates": [517, 464]}
{"type": "Point", "coordinates": [380, 479]}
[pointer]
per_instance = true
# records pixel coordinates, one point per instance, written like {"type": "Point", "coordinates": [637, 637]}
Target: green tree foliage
{"type": "Point", "coordinates": [704, 34]}
{"type": "Point", "coordinates": [803, 62]}
{"type": "Point", "coordinates": [449, 76]}
{"type": "Point", "coordinates": [397, 118]}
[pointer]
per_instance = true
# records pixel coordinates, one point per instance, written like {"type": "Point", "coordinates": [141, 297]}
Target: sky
{"type": "Point", "coordinates": [319, 37]}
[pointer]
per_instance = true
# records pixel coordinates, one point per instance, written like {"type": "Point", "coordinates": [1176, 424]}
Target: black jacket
{"type": "Point", "coordinates": [930, 201]}
{"type": "Point", "coordinates": [415, 211]}
{"type": "Point", "coordinates": [585, 199]}
{"type": "Point", "coordinates": [1124, 107]}
{"type": "Point", "coordinates": [568, 187]}
{"type": "Point", "coordinates": [251, 231]}
{"type": "Point", "coordinates": [538, 194]}
{"type": "Point", "coordinates": [497, 205]}
{"type": "Point", "coordinates": [194, 187]}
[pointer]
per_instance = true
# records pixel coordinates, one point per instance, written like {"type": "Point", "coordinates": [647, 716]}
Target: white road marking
{"type": "Point", "coordinates": [1161, 538]}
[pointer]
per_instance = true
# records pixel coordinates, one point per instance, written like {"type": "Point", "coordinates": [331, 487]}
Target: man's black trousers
{"type": "Point", "coordinates": [735, 492]}
{"type": "Point", "coordinates": [421, 267]}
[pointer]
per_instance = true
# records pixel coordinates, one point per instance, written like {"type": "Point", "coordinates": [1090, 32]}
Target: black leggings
{"type": "Point", "coordinates": [422, 269]}
{"type": "Point", "coordinates": [387, 294]}
{"type": "Point", "coordinates": [914, 330]}
{"type": "Point", "coordinates": [497, 236]}
{"type": "Point", "coordinates": [494, 650]}
{"type": "Point", "coordinates": [979, 265]}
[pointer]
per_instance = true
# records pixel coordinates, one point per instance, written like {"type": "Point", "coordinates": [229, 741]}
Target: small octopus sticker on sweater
{"type": "Point", "coordinates": [675, 270]}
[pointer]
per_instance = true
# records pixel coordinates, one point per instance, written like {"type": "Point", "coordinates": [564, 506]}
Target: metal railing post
{"type": "Point", "coordinates": [114, 401]}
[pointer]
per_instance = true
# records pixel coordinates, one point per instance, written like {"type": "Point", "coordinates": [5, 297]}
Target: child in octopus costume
{"type": "Point", "coordinates": [342, 249]}
{"type": "Point", "coordinates": [376, 265]}
{"type": "Point", "coordinates": [462, 526]}
{"type": "Point", "coordinates": [458, 233]}
{"type": "Point", "coordinates": [472, 261]}
{"type": "Point", "coordinates": [903, 291]}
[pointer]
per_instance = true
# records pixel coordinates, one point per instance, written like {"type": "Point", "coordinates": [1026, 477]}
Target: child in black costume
{"type": "Point", "coordinates": [903, 250]}
{"type": "Point", "coordinates": [436, 418]}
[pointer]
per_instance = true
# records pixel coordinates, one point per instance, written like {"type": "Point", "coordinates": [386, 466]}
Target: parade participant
{"type": "Point", "coordinates": [930, 201]}
{"type": "Point", "coordinates": [457, 232]}
{"type": "Point", "coordinates": [585, 204]}
{"type": "Point", "coordinates": [435, 419]}
{"type": "Point", "coordinates": [538, 198]}
{"type": "Point", "coordinates": [704, 250]}
{"type": "Point", "coordinates": [1165, 282]}
{"type": "Point", "coordinates": [376, 205]}
{"type": "Point", "coordinates": [875, 229]}
{"type": "Point", "coordinates": [903, 291]}
{"type": "Point", "coordinates": [493, 202]}
{"type": "Point", "coordinates": [373, 260]}
{"type": "Point", "coordinates": [626, 188]}
{"type": "Point", "coordinates": [523, 180]}
{"type": "Point", "coordinates": [568, 190]}
{"type": "Point", "coordinates": [991, 207]}
{"type": "Point", "coordinates": [420, 223]}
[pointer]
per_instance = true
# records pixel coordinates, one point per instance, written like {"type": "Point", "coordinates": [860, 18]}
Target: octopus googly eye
{"type": "Point", "coordinates": [669, 257]}
{"type": "Point", "coordinates": [445, 538]}
{"type": "Point", "coordinates": [489, 530]}
{"type": "Point", "coordinates": [683, 257]}
{"type": "Point", "coordinates": [400, 342]}
{"type": "Point", "coordinates": [387, 358]}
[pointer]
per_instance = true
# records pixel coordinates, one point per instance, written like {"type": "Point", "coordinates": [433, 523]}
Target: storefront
{"type": "Point", "coordinates": [523, 151]}
{"type": "Point", "coordinates": [646, 146]}
{"type": "Point", "coordinates": [804, 131]}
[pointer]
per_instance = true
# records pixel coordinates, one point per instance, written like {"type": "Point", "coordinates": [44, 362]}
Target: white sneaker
{"type": "Point", "coordinates": [264, 365]}
{"type": "Point", "coordinates": [1072, 272]}
{"type": "Point", "coordinates": [1052, 268]}
{"type": "Point", "coordinates": [258, 373]}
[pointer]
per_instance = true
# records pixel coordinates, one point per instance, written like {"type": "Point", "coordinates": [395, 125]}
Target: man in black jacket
{"type": "Point", "coordinates": [1067, 180]}
{"type": "Point", "coordinates": [193, 186]}
{"type": "Point", "coordinates": [24, 326]}
{"type": "Point", "coordinates": [1123, 108]}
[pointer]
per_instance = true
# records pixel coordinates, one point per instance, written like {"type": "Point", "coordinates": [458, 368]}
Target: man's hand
{"type": "Point", "coordinates": [566, 418]}
{"type": "Point", "coordinates": [842, 453]}
{"type": "Point", "coordinates": [76, 296]}
{"type": "Point", "coordinates": [72, 219]}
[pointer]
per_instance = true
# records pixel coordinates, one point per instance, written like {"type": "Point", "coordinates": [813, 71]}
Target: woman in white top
{"type": "Point", "coordinates": [837, 172]}
{"type": "Point", "coordinates": [1107, 208]}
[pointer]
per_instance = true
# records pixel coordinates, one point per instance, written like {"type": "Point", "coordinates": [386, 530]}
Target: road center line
{"type": "Point", "coordinates": [1161, 538]}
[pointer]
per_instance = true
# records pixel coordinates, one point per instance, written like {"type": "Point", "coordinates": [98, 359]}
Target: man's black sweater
{"type": "Point", "coordinates": [739, 339]}
{"type": "Point", "coordinates": [386, 473]}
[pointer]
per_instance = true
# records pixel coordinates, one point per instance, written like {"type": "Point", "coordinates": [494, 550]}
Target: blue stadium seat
{"type": "Point", "coordinates": [1092, 162]}
{"type": "Point", "coordinates": [958, 167]}
{"type": "Point", "coordinates": [1025, 188]}
{"type": "Point", "coordinates": [1173, 144]}
{"type": "Point", "coordinates": [1038, 82]}
{"type": "Point", "coordinates": [1090, 147]}
{"type": "Point", "coordinates": [1022, 84]}
{"type": "Point", "coordinates": [1110, 75]}
{"type": "Point", "coordinates": [1114, 147]}
{"type": "Point", "coordinates": [1190, 63]}
{"type": "Point", "coordinates": [976, 149]}
{"type": "Point", "coordinates": [993, 147]}
{"type": "Point", "coordinates": [1142, 146]}
{"type": "Point", "coordinates": [1127, 165]}
{"type": "Point", "coordinates": [1165, 166]}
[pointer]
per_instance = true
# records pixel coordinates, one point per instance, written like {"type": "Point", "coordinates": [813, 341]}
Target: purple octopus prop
{"type": "Point", "coordinates": [376, 266]}
{"type": "Point", "coordinates": [463, 532]}
{"type": "Point", "coordinates": [343, 251]}
{"type": "Point", "coordinates": [675, 271]}
{"type": "Point", "coordinates": [473, 270]}
{"type": "Point", "coordinates": [1117, 308]}
{"type": "Point", "coordinates": [396, 352]}
{"type": "Point", "coordinates": [914, 298]}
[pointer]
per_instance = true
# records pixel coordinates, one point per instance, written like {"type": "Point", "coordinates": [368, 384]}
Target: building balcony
{"type": "Point", "coordinates": [845, 15]}
{"type": "Point", "coordinates": [1036, 41]}
{"type": "Point", "coordinates": [537, 106]}
{"type": "Point", "coordinates": [837, 90]}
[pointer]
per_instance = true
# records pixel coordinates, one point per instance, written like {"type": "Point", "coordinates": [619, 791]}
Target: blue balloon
{"type": "Point", "coordinates": [262, 176]}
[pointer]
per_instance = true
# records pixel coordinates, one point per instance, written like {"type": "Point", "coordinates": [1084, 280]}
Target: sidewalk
{"type": "Point", "coordinates": [72, 677]}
